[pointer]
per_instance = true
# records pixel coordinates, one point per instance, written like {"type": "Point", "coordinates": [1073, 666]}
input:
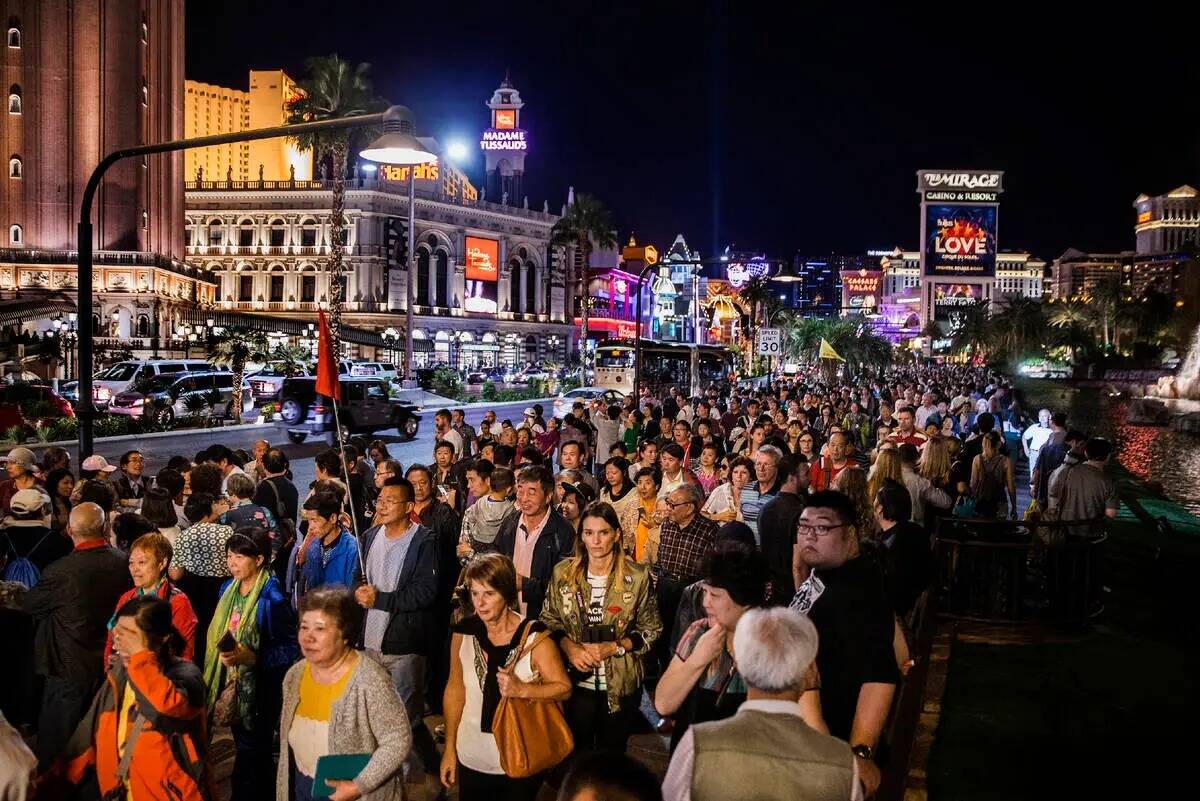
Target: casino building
{"type": "Point", "coordinates": [490, 288]}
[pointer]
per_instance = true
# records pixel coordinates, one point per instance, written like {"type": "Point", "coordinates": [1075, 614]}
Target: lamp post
{"type": "Point", "coordinates": [87, 405]}
{"type": "Point", "coordinates": [389, 336]}
{"type": "Point", "coordinates": [399, 145]}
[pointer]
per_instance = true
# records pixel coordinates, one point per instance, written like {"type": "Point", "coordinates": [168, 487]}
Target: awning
{"type": "Point", "coordinates": [15, 312]}
{"type": "Point", "coordinates": [285, 325]}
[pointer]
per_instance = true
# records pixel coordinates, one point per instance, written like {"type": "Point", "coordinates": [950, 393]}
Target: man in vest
{"type": "Point", "coordinates": [765, 750]}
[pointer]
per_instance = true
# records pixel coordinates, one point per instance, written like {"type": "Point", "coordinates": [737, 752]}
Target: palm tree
{"type": "Point", "coordinates": [757, 294]}
{"type": "Point", "coordinates": [1019, 325]}
{"type": "Point", "coordinates": [972, 330]}
{"type": "Point", "coordinates": [1074, 321]}
{"type": "Point", "coordinates": [587, 225]}
{"type": "Point", "coordinates": [290, 359]}
{"type": "Point", "coordinates": [332, 89]}
{"type": "Point", "coordinates": [233, 347]}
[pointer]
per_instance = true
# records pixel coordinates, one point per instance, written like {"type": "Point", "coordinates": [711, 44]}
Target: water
{"type": "Point", "coordinates": [1188, 382]}
{"type": "Point", "coordinates": [1171, 458]}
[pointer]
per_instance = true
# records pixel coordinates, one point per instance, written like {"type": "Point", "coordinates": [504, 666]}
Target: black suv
{"type": "Point", "coordinates": [364, 409]}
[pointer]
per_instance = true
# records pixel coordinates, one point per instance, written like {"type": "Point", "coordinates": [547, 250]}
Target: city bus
{"type": "Point", "coordinates": [690, 367]}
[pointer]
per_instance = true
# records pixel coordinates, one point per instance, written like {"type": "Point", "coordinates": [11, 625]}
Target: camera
{"type": "Point", "coordinates": [602, 633]}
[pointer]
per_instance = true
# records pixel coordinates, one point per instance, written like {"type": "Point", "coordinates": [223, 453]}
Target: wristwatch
{"type": "Point", "coordinates": [621, 650]}
{"type": "Point", "coordinates": [863, 751]}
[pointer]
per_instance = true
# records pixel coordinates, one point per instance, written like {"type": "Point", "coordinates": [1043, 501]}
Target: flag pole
{"type": "Point", "coordinates": [362, 562]}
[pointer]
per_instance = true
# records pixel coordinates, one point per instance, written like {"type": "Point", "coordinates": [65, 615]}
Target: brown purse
{"type": "Point", "coordinates": [531, 736]}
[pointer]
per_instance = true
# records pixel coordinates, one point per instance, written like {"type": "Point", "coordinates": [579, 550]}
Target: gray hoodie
{"type": "Point", "coordinates": [481, 523]}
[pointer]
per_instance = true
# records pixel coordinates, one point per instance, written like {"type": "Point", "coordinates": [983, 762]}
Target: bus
{"type": "Point", "coordinates": [664, 364]}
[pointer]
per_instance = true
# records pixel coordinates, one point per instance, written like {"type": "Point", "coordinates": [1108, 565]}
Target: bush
{"type": "Point", "coordinates": [64, 428]}
{"type": "Point", "coordinates": [15, 433]}
{"type": "Point", "coordinates": [111, 425]}
{"type": "Point", "coordinates": [488, 392]}
{"type": "Point", "coordinates": [447, 383]}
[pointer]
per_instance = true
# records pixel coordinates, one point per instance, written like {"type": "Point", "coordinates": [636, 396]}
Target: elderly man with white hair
{"type": "Point", "coordinates": [766, 750]}
{"type": "Point", "coordinates": [1035, 438]}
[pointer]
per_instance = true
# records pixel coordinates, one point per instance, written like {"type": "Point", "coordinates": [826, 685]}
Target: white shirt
{"type": "Point", "coordinates": [225, 481]}
{"type": "Point", "coordinates": [1035, 438]}
{"type": "Point", "coordinates": [455, 439]}
{"type": "Point", "coordinates": [523, 546]}
{"type": "Point", "coordinates": [923, 413]}
{"type": "Point", "coordinates": [677, 784]}
{"type": "Point", "coordinates": [669, 485]}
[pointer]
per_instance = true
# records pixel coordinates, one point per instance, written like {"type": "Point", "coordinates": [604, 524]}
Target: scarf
{"type": "Point", "coordinates": [162, 589]}
{"type": "Point", "coordinates": [246, 635]}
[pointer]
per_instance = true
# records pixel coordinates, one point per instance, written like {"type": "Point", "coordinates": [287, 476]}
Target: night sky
{"type": "Point", "coordinates": [775, 131]}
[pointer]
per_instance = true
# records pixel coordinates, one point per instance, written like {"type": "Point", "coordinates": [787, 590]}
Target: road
{"type": "Point", "coordinates": [159, 450]}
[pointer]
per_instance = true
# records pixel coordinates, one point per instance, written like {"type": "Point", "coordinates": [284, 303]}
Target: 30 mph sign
{"type": "Point", "coordinates": [769, 342]}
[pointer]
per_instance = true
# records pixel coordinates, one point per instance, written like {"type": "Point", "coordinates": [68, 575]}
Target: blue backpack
{"type": "Point", "coordinates": [21, 569]}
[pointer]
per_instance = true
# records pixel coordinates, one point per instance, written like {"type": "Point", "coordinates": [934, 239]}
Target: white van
{"type": "Point", "coordinates": [124, 375]}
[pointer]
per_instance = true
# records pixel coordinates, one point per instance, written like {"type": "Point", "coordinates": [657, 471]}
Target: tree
{"type": "Point", "coordinates": [971, 329]}
{"type": "Point", "coordinates": [233, 347]}
{"type": "Point", "coordinates": [586, 225]}
{"type": "Point", "coordinates": [1075, 324]}
{"type": "Point", "coordinates": [1019, 326]}
{"type": "Point", "coordinates": [757, 295]}
{"type": "Point", "coordinates": [290, 359]}
{"type": "Point", "coordinates": [332, 89]}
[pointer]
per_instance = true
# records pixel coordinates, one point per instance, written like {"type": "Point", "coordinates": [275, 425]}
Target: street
{"type": "Point", "coordinates": [159, 450]}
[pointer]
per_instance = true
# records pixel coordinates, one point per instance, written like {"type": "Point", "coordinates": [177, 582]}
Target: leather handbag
{"type": "Point", "coordinates": [531, 736]}
{"type": "Point", "coordinates": [227, 710]}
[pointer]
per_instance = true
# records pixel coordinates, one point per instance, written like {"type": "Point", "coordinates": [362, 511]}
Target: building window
{"type": "Point", "coordinates": [145, 28]}
{"type": "Point", "coordinates": [14, 99]}
{"type": "Point", "coordinates": [514, 287]}
{"type": "Point", "coordinates": [245, 287]}
{"type": "Point", "coordinates": [277, 289]}
{"type": "Point", "coordinates": [14, 167]}
{"type": "Point", "coordinates": [246, 234]}
{"type": "Point", "coordinates": [143, 326]}
{"type": "Point", "coordinates": [422, 287]}
{"type": "Point", "coordinates": [145, 219]}
{"type": "Point", "coordinates": [278, 233]}
{"type": "Point", "coordinates": [308, 288]}
{"type": "Point", "coordinates": [530, 349]}
{"type": "Point", "coordinates": [530, 298]}
{"type": "Point", "coordinates": [216, 235]}
{"type": "Point", "coordinates": [145, 93]}
{"type": "Point", "coordinates": [96, 330]}
{"type": "Point", "coordinates": [14, 38]}
{"type": "Point", "coordinates": [443, 277]}
{"type": "Point", "coordinates": [14, 235]}
{"type": "Point", "coordinates": [308, 233]}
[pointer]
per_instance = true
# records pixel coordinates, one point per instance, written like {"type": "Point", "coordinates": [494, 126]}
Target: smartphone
{"type": "Point", "coordinates": [227, 643]}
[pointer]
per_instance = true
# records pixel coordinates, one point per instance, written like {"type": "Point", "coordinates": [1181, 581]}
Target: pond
{"type": "Point", "coordinates": [1171, 458]}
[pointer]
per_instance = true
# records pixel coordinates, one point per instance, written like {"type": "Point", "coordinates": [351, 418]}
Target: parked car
{"type": "Point", "coordinates": [566, 400]}
{"type": "Point", "coordinates": [70, 391]}
{"type": "Point", "coordinates": [532, 373]}
{"type": "Point", "coordinates": [30, 404]}
{"type": "Point", "coordinates": [480, 376]}
{"type": "Point", "coordinates": [165, 398]}
{"type": "Point", "coordinates": [365, 408]}
{"type": "Point", "coordinates": [267, 382]}
{"type": "Point", "coordinates": [374, 370]}
{"type": "Point", "coordinates": [124, 375]}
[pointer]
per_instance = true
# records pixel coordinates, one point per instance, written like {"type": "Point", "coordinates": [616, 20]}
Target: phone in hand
{"type": "Point", "coordinates": [227, 644]}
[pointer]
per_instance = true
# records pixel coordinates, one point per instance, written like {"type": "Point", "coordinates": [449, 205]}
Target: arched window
{"type": "Point", "coordinates": [14, 38]}
{"type": "Point", "coordinates": [278, 233]}
{"type": "Point", "coordinates": [14, 167]}
{"type": "Point", "coordinates": [216, 233]}
{"type": "Point", "coordinates": [442, 262]}
{"type": "Point", "coordinates": [530, 349]}
{"type": "Point", "coordinates": [530, 288]}
{"type": "Point", "coordinates": [143, 326]}
{"type": "Point", "coordinates": [514, 286]}
{"type": "Point", "coordinates": [422, 288]}
{"type": "Point", "coordinates": [14, 99]}
{"type": "Point", "coordinates": [15, 236]}
{"type": "Point", "coordinates": [96, 325]}
{"type": "Point", "coordinates": [246, 233]}
{"type": "Point", "coordinates": [308, 233]}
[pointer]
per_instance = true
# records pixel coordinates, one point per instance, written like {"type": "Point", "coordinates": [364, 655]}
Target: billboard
{"type": "Point", "coordinates": [863, 289]}
{"type": "Point", "coordinates": [960, 241]}
{"type": "Point", "coordinates": [739, 273]}
{"type": "Point", "coordinates": [950, 302]}
{"type": "Point", "coordinates": [482, 273]}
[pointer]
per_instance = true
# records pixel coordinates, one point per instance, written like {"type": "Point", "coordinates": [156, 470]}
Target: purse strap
{"type": "Point", "coordinates": [524, 648]}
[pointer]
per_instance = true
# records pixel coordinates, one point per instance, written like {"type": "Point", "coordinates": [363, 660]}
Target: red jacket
{"type": "Point", "coordinates": [169, 759]}
{"type": "Point", "coordinates": [182, 616]}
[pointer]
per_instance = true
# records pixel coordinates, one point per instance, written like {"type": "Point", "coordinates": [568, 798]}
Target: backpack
{"type": "Point", "coordinates": [990, 490]}
{"type": "Point", "coordinates": [21, 569]}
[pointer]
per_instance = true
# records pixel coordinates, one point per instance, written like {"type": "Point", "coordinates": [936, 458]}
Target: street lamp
{"type": "Point", "coordinates": [389, 337]}
{"type": "Point", "coordinates": [399, 145]}
{"type": "Point", "coordinates": [87, 406]}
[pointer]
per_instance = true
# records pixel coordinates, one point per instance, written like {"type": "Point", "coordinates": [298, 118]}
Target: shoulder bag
{"type": "Point", "coordinates": [531, 736]}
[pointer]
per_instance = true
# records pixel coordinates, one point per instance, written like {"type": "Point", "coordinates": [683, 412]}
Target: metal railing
{"type": "Point", "coordinates": [1032, 571]}
{"type": "Point", "coordinates": [120, 258]}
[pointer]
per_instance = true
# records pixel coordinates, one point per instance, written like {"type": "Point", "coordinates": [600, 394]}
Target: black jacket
{"type": "Point", "coordinates": [72, 604]}
{"type": "Point", "coordinates": [412, 603]}
{"type": "Point", "coordinates": [777, 531]}
{"type": "Point", "coordinates": [908, 565]}
{"type": "Point", "coordinates": [446, 526]}
{"type": "Point", "coordinates": [556, 542]}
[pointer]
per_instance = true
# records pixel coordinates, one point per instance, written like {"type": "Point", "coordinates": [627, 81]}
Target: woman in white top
{"type": "Point", "coordinates": [725, 503]}
{"type": "Point", "coordinates": [484, 644]}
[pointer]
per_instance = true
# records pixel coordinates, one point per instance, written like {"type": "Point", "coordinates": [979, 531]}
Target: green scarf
{"type": "Point", "coordinates": [246, 635]}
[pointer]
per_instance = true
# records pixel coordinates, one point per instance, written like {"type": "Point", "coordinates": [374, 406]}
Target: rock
{"type": "Point", "coordinates": [1189, 422]}
{"type": "Point", "coordinates": [1147, 412]}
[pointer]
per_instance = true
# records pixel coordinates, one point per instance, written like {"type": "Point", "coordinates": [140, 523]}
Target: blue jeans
{"type": "Point", "coordinates": [408, 677]}
{"type": "Point", "coordinates": [302, 786]}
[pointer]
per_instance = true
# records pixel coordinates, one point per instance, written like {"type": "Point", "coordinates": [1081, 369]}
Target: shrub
{"type": "Point", "coordinates": [15, 433]}
{"type": "Point", "coordinates": [64, 428]}
{"type": "Point", "coordinates": [112, 425]}
{"type": "Point", "coordinates": [488, 392]}
{"type": "Point", "coordinates": [447, 383]}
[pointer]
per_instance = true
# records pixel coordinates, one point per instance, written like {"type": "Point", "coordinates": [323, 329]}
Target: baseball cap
{"type": "Point", "coordinates": [529, 412]}
{"type": "Point", "coordinates": [584, 492]}
{"type": "Point", "coordinates": [22, 456]}
{"type": "Point", "coordinates": [99, 463]}
{"type": "Point", "coordinates": [26, 501]}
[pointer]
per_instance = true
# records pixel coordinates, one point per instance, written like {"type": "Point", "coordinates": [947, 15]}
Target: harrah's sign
{"type": "Point", "coordinates": [928, 180]}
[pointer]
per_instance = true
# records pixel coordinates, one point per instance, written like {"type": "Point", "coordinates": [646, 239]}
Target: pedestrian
{"type": "Point", "coordinates": [255, 469]}
{"type": "Point", "coordinates": [495, 653]}
{"type": "Point", "coordinates": [619, 777]}
{"type": "Point", "coordinates": [603, 610]}
{"type": "Point", "coordinates": [458, 422]}
{"type": "Point", "coordinates": [242, 512]}
{"type": "Point", "coordinates": [482, 521]}
{"type": "Point", "coordinates": [535, 537]}
{"type": "Point", "coordinates": [71, 603]}
{"type": "Point", "coordinates": [29, 534]}
{"type": "Point", "coordinates": [992, 484]}
{"type": "Point", "coordinates": [198, 564]}
{"type": "Point", "coordinates": [904, 550]}
{"type": "Point", "coordinates": [777, 524]}
{"type": "Point", "coordinates": [725, 502]}
{"type": "Point", "coordinates": [148, 559]}
{"type": "Point", "coordinates": [332, 550]}
{"type": "Point", "coordinates": [59, 486]}
{"type": "Point", "coordinates": [19, 465]}
{"type": "Point", "coordinates": [685, 539]}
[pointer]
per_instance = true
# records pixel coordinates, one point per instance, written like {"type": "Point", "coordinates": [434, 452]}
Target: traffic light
{"type": "Point", "coordinates": [396, 240]}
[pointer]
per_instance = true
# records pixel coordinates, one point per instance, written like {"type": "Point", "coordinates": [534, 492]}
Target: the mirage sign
{"type": "Point", "coordinates": [961, 180]}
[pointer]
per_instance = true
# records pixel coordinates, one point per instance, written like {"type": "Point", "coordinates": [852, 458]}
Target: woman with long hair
{"type": "Point", "coordinates": [888, 464]}
{"type": "Point", "coordinates": [934, 463]}
{"type": "Point", "coordinates": [487, 663]}
{"type": "Point", "coordinates": [852, 482]}
{"type": "Point", "coordinates": [601, 607]}
{"type": "Point", "coordinates": [794, 432]}
{"type": "Point", "coordinates": [619, 490]}
{"type": "Point", "coordinates": [992, 482]}
{"type": "Point", "coordinates": [251, 643]}
{"type": "Point", "coordinates": [144, 735]}
{"type": "Point", "coordinates": [159, 509]}
{"type": "Point", "coordinates": [59, 484]}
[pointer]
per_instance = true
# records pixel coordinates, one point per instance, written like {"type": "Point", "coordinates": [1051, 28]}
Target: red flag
{"type": "Point", "coordinates": [327, 363]}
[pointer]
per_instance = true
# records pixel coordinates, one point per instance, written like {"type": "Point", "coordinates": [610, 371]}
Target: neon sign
{"type": "Point", "coordinates": [424, 172]}
{"type": "Point", "coordinates": [494, 139]}
{"type": "Point", "coordinates": [741, 273]}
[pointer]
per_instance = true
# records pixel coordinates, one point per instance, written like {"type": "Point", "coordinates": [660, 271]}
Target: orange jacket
{"type": "Point", "coordinates": [169, 760]}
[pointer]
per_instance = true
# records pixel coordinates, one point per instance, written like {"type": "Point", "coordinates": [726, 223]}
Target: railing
{"type": "Point", "coordinates": [1001, 571]}
{"type": "Point", "coordinates": [120, 258]}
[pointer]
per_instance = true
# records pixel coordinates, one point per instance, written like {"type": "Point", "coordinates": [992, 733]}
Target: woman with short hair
{"type": "Point", "coordinates": [488, 663]}
{"type": "Point", "coordinates": [148, 559]}
{"type": "Point", "coordinates": [336, 701]}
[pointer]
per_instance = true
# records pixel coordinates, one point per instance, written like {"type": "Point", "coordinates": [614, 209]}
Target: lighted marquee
{"type": "Point", "coordinates": [482, 273]}
{"type": "Point", "coordinates": [495, 139]}
{"type": "Point", "coordinates": [740, 273]}
{"type": "Point", "coordinates": [960, 240]}
{"type": "Point", "coordinates": [863, 288]}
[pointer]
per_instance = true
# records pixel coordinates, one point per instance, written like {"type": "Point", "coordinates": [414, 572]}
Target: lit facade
{"type": "Point", "coordinates": [1167, 223]}
{"type": "Point", "coordinates": [210, 110]}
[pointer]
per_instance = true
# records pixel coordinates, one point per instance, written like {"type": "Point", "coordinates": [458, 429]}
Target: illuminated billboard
{"type": "Point", "coordinates": [496, 139]}
{"type": "Point", "coordinates": [506, 119]}
{"type": "Point", "coordinates": [862, 289]}
{"type": "Point", "coordinates": [960, 241]}
{"type": "Point", "coordinates": [482, 273]}
{"type": "Point", "coordinates": [739, 273]}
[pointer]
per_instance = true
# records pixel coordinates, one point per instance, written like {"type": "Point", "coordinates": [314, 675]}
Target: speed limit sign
{"type": "Point", "coordinates": [769, 342]}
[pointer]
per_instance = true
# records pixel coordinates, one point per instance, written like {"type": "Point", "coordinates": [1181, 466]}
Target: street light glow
{"type": "Point", "coordinates": [457, 152]}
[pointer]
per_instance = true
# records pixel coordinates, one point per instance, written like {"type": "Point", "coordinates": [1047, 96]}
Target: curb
{"type": "Point", "coordinates": [489, 404]}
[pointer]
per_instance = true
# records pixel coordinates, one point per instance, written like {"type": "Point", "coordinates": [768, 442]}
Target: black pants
{"type": "Point", "coordinates": [594, 727]}
{"type": "Point", "coordinates": [64, 703]}
{"type": "Point", "coordinates": [254, 756]}
{"type": "Point", "coordinates": [670, 593]}
{"type": "Point", "coordinates": [476, 786]}
{"type": "Point", "coordinates": [203, 592]}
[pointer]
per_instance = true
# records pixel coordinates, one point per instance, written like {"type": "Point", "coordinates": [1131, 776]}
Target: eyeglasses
{"type": "Point", "coordinates": [674, 504]}
{"type": "Point", "coordinates": [805, 530]}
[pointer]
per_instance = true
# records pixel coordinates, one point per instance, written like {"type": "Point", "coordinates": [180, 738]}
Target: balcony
{"type": "Point", "coordinates": [115, 258]}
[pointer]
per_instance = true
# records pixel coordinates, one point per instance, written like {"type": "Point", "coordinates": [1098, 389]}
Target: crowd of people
{"type": "Point", "coordinates": [738, 571]}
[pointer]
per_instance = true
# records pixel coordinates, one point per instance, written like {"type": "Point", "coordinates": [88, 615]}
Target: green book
{"type": "Point", "coordinates": [337, 767]}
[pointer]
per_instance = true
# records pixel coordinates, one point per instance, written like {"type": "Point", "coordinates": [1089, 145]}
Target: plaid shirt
{"type": "Point", "coordinates": [680, 550]}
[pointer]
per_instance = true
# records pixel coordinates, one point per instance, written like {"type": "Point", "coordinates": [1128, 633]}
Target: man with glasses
{"type": "Point", "coordinates": [131, 485]}
{"type": "Point", "coordinates": [684, 540]}
{"type": "Point", "coordinates": [843, 592]}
